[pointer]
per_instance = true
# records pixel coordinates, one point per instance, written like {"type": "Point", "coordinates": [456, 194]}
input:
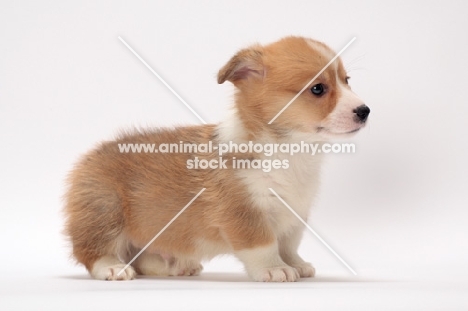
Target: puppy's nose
{"type": "Point", "coordinates": [361, 113]}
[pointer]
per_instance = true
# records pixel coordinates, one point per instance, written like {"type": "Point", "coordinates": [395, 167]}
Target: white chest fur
{"type": "Point", "coordinates": [297, 184]}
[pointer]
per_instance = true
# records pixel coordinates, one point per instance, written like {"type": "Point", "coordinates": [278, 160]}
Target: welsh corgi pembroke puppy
{"type": "Point", "coordinates": [117, 201]}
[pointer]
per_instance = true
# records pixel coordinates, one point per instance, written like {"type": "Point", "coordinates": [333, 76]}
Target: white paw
{"type": "Point", "coordinates": [155, 264]}
{"type": "Point", "coordinates": [276, 274]}
{"type": "Point", "coordinates": [114, 273]}
{"type": "Point", "coordinates": [186, 267]}
{"type": "Point", "coordinates": [305, 269]}
{"type": "Point", "coordinates": [192, 270]}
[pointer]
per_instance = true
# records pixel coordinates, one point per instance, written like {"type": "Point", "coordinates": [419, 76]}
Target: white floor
{"type": "Point", "coordinates": [36, 275]}
{"type": "Point", "coordinates": [233, 291]}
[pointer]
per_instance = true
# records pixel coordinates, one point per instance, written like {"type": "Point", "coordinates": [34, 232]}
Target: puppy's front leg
{"type": "Point", "coordinates": [288, 246]}
{"type": "Point", "coordinates": [255, 244]}
{"type": "Point", "coordinates": [263, 263]}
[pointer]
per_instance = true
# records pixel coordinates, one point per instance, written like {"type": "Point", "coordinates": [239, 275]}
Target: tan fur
{"type": "Point", "coordinates": [117, 202]}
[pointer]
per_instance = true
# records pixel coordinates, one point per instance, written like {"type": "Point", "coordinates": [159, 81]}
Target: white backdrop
{"type": "Point", "coordinates": [395, 210]}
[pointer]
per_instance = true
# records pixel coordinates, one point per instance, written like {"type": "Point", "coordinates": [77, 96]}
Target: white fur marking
{"type": "Point", "coordinates": [298, 184]}
{"type": "Point", "coordinates": [108, 267]}
{"type": "Point", "coordinates": [265, 265]}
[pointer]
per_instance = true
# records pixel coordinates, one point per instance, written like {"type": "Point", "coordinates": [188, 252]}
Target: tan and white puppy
{"type": "Point", "coordinates": [117, 202]}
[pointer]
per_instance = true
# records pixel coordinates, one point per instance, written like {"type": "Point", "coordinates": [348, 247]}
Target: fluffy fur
{"type": "Point", "coordinates": [117, 202]}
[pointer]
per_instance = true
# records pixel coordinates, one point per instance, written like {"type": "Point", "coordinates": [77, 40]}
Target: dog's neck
{"type": "Point", "coordinates": [237, 129]}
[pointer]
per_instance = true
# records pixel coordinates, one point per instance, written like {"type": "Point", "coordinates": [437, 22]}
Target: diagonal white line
{"type": "Point", "coordinates": [162, 80]}
{"type": "Point", "coordinates": [313, 79]}
{"type": "Point", "coordinates": [160, 232]}
{"type": "Point", "coordinates": [313, 232]}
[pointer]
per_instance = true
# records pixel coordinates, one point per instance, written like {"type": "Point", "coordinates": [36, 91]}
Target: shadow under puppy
{"type": "Point", "coordinates": [116, 202]}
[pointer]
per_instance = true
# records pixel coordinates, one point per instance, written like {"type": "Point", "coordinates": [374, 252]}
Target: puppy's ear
{"type": "Point", "coordinates": [246, 63]}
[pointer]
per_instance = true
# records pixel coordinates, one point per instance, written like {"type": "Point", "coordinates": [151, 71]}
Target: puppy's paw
{"type": "Point", "coordinates": [192, 269]}
{"type": "Point", "coordinates": [111, 273]}
{"type": "Point", "coordinates": [305, 269]}
{"type": "Point", "coordinates": [276, 274]}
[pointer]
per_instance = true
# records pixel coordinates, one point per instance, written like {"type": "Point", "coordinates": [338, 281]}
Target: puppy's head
{"type": "Point", "coordinates": [268, 77]}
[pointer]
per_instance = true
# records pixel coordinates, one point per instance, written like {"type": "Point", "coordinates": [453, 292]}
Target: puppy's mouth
{"type": "Point", "coordinates": [324, 130]}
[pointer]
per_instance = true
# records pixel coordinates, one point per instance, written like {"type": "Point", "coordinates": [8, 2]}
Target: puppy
{"type": "Point", "coordinates": [117, 201]}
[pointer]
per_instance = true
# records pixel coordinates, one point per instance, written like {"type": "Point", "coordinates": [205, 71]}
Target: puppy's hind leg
{"type": "Point", "coordinates": [94, 226]}
{"type": "Point", "coordinates": [110, 268]}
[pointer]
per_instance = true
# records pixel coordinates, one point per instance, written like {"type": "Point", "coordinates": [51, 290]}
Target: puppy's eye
{"type": "Point", "coordinates": [347, 80]}
{"type": "Point", "coordinates": [318, 89]}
